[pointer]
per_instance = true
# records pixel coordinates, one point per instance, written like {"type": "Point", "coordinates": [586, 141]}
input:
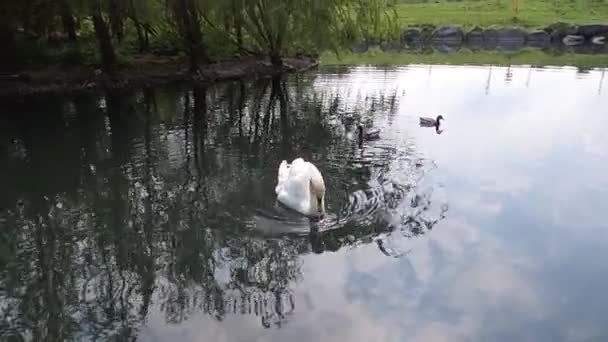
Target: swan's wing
{"type": "Point", "coordinates": [298, 176]}
{"type": "Point", "coordinates": [294, 189]}
{"type": "Point", "coordinates": [289, 173]}
{"type": "Point", "coordinates": [299, 163]}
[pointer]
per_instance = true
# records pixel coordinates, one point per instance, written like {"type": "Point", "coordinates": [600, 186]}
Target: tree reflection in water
{"type": "Point", "coordinates": [117, 204]}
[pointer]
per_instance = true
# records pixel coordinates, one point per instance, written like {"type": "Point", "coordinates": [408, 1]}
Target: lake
{"type": "Point", "coordinates": [150, 215]}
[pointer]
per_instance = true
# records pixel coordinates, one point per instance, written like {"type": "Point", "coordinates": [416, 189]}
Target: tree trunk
{"type": "Point", "coordinates": [146, 37]}
{"type": "Point", "coordinates": [237, 22]}
{"type": "Point", "coordinates": [198, 48]}
{"type": "Point", "coordinates": [69, 23]}
{"type": "Point", "coordinates": [9, 56]}
{"type": "Point", "coordinates": [8, 60]}
{"type": "Point", "coordinates": [192, 35]}
{"type": "Point", "coordinates": [116, 19]}
{"type": "Point", "coordinates": [276, 59]}
{"type": "Point", "coordinates": [239, 35]}
{"type": "Point", "coordinates": [104, 40]}
{"type": "Point", "coordinates": [239, 32]}
{"type": "Point", "coordinates": [194, 56]}
{"type": "Point", "coordinates": [26, 16]}
{"type": "Point", "coordinates": [276, 47]}
{"type": "Point", "coordinates": [141, 38]}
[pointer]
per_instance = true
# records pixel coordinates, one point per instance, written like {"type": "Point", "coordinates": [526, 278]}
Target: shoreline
{"type": "Point", "coordinates": [464, 56]}
{"type": "Point", "coordinates": [145, 70]}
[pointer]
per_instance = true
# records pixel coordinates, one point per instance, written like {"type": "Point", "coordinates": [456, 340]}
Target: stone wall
{"type": "Point", "coordinates": [560, 36]}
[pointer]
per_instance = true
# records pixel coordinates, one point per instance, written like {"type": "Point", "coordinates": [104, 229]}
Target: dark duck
{"type": "Point", "coordinates": [430, 122]}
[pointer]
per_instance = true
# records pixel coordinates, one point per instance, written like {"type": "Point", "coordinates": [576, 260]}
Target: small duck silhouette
{"type": "Point", "coordinates": [430, 122]}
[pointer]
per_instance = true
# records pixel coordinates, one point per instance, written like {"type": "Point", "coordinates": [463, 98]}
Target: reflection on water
{"type": "Point", "coordinates": [152, 214]}
{"type": "Point", "coordinates": [163, 200]}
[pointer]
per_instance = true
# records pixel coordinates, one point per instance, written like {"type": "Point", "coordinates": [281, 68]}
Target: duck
{"type": "Point", "coordinates": [430, 122]}
{"type": "Point", "coordinates": [300, 187]}
{"type": "Point", "coordinates": [369, 134]}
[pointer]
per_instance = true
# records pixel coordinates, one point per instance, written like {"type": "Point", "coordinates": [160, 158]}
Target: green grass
{"type": "Point", "coordinates": [484, 13]}
{"type": "Point", "coordinates": [465, 57]}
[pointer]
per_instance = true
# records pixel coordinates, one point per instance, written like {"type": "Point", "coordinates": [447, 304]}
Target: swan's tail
{"type": "Point", "coordinates": [282, 176]}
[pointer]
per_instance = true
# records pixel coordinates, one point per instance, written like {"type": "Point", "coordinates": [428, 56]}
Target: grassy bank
{"type": "Point", "coordinates": [533, 13]}
{"type": "Point", "coordinates": [465, 57]}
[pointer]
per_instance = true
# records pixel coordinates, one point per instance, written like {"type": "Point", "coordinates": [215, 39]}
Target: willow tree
{"type": "Point", "coordinates": [277, 28]}
{"type": "Point", "coordinates": [187, 17]}
{"type": "Point", "coordinates": [143, 14]}
{"type": "Point", "coordinates": [372, 20]}
{"type": "Point", "coordinates": [274, 28]}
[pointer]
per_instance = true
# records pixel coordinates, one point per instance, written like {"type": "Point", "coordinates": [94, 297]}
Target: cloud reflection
{"type": "Point", "coordinates": [495, 270]}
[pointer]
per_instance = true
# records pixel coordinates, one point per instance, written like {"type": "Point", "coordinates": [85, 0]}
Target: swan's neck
{"type": "Point", "coordinates": [316, 192]}
{"type": "Point", "coordinates": [314, 208]}
{"type": "Point", "coordinates": [315, 205]}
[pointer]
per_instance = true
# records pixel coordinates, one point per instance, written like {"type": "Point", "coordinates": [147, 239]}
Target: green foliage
{"type": "Point", "coordinates": [374, 20]}
{"type": "Point", "coordinates": [80, 54]}
{"type": "Point", "coordinates": [35, 31]}
{"type": "Point", "coordinates": [218, 28]}
{"type": "Point", "coordinates": [279, 27]}
{"type": "Point", "coordinates": [166, 41]}
{"type": "Point", "coordinates": [219, 46]}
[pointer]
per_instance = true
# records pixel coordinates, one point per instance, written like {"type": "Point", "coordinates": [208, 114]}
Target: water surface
{"type": "Point", "coordinates": [151, 215]}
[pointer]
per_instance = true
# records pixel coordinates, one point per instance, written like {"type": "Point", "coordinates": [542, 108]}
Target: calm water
{"type": "Point", "coordinates": [151, 215]}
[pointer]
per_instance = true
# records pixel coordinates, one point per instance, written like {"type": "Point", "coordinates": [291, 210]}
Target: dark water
{"type": "Point", "coordinates": [151, 215]}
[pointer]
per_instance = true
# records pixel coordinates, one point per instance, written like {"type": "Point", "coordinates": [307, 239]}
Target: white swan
{"type": "Point", "coordinates": [300, 186]}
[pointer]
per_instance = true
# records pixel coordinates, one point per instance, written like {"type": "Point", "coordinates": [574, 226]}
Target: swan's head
{"type": "Point", "coordinates": [317, 193]}
{"type": "Point", "coordinates": [440, 117]}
